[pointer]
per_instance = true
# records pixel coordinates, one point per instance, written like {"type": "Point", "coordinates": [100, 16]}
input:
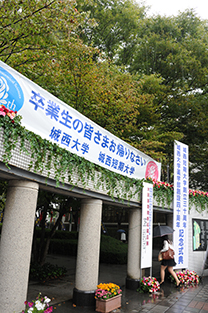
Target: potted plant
{"type": "Point", "coordinates": [149, 284]}
{"type": "Point", "coordinates": [187, 278]}
{"type": "Point", "coordinates": [40, 305]}
{"type": "Point", "coordinates": [108, 297]}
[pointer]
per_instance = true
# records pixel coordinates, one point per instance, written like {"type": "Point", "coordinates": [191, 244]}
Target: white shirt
{"type": "Point", "coordinates": [166, 246]}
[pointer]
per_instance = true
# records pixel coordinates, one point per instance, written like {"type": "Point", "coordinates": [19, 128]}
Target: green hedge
{"type": "Point", "coordinates": [111, 250]}
{"type": "Point", "coordinates": [59, 234]}
{"type": "Point", "coordinates": [63, 247]}
{"type": "Point", "coordinates": [113, 231]}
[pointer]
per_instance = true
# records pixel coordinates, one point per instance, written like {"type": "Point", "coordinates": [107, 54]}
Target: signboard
{"type": "Point", "coordinates": [146, 232]}
{"type": "Point", "coordinates": [54, 120]}
{"type": "Point", "coordinates": [200, 234]}
{"type": "Point", "coordinates": [181, 204]}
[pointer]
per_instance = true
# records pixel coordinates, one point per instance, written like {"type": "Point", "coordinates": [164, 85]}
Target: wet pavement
{"type": "Point", "coordinates": [169, 299]}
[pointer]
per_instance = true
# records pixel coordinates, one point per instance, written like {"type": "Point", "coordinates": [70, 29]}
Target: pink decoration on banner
{"type": "Point", "coordinates": [152, 170]}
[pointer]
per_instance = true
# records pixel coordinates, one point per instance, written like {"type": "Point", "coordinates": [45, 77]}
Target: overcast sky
{"type": "Point", "coordinates": [165, 7]}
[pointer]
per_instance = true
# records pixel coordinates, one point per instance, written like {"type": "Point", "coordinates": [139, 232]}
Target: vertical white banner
{"type": "Point", "coordinates": [181, 204]}
{"type": "Point", "coordinates": [146, 232]}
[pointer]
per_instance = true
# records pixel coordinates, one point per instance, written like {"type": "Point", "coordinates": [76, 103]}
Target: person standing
{"type": "Point", "coordinates": [168, 264]}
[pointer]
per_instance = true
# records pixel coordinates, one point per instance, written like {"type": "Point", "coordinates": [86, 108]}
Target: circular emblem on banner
{"type": "Point", "coordinates": [11, 94]}
{"type": "Point", "coordinates": [152, 170]}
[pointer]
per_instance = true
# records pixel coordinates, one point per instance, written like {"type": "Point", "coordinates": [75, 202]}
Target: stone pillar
{"type": "Point", "coordinates": [16, 243]}
{"type": "Point", "coordinates": [134, 249]}
{"type": "Point", "coordinates": [87, 268]}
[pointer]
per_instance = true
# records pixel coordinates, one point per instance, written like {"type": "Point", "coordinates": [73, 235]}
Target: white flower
{"type": "Point", "coordinates": [39, 306]}
{"type": "Point", "coordinates": [47, 300]}
{"type": "Point", "coordinates": [3, 90]}
{"type": "Point", "coordinates": [30, 310]}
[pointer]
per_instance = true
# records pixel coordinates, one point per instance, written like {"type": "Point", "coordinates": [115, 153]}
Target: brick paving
{"type": "Point", "coordinates": [169, 300]}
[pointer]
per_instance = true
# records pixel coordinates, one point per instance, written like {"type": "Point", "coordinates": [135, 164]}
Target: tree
{"type": "Point", "coordinates": [31, 30]}
{"type": "Point", "coordinates": [175, 49]}
{"type": "Point", "coordinates": [117, 26]}
{"type": "Point", "coordinates": [78, 74]}
{"type": "Point", "coordinates": [133, 47]}
{"type": "Point", "coordinates": [46, 202]}
{"type": "Point", "coordinates": [105, 93]}
{"type": "Point", "coordinates": [143, 79]}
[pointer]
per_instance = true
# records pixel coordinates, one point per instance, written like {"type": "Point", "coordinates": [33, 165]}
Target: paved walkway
{"type": "Point", "coordinates": [170, 299]}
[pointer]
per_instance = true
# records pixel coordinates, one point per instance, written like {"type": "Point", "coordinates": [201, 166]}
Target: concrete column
{"type": "Point", "coordinates": [134, 248]}
{"type": "Point", "coordinates": [16, 243]}
{"type": "Point", "coordinates": [88, 252]}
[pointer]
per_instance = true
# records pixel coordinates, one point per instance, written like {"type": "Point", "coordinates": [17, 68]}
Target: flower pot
{"type": "Point", "coordinates": [105, 306]}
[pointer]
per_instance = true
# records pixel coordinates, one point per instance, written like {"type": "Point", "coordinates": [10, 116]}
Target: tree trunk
{"type": "Point", "coordinates": [44, 253]}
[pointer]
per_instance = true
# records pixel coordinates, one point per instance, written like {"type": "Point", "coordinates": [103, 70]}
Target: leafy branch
{"type": "Point", "coordinates": [46, 156]}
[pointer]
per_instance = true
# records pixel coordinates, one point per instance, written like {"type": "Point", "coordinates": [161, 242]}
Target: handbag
{"type": "Point", "coordinates": [160, 257]}
{"type": "Point", "coordinates": [168, 255]}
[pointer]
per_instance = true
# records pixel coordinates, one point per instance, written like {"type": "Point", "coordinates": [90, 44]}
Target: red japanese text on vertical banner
{"type": "Point", "coordinates": [146, 233]}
